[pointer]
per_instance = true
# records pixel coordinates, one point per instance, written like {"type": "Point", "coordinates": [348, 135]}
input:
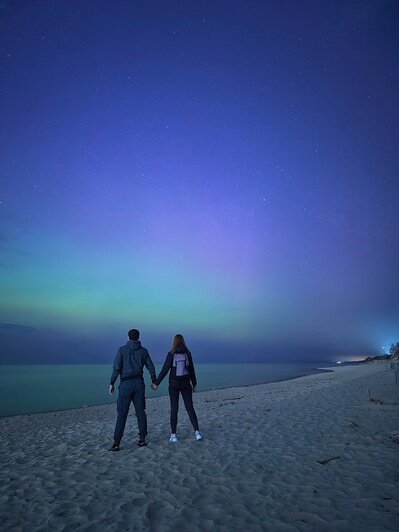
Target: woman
{"type": "Point", "coordinates": [180, 364]}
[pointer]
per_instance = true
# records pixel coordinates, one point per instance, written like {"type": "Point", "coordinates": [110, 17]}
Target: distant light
{"type": "Point", "coordinates": [339, 362]}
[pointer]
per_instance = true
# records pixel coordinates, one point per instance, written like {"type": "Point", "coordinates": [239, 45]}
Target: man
{"type": "Point", "coordinates": [129, 363]}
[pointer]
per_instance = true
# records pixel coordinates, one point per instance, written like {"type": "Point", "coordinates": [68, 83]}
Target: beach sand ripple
{"type": "Point", "coordinates": [313, 454]}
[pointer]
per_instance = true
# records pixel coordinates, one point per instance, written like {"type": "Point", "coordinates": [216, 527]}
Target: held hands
{"type": "Point", "coordinates": [111, 389]}
{"type": "Point", "coordinates": [154, 386]}
{"type": "Point", "coordinates": [194, 389]}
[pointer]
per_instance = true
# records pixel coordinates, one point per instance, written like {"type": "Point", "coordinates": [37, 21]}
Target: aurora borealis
{"type": "Point", "coordinates": [227, 170]}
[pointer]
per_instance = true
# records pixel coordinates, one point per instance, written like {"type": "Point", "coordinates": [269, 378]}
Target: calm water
{"type": "Point", "coordinates": [27, 389]}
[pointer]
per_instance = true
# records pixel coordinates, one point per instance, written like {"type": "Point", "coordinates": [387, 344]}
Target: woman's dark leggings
{"type": "Point", "coordinates": [183, 387]}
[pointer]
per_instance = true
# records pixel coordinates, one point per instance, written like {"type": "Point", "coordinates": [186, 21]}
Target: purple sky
{"type": "Point", "coordinates": [227, 170]}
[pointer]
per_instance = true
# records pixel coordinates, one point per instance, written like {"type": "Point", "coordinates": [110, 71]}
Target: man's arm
{"type": "Point", "coordinates": [118, 363]}
{"type": "Point", "coordinates": [150, 366]}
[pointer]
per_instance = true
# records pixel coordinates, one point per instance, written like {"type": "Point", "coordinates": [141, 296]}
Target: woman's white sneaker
{"type": "Point", "coordinates": [173, 439]}
{"type": "Point", "coordinates": [198, 435]}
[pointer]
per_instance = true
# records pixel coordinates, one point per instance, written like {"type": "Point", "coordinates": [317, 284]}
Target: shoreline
{"type": "Point", "coordinates": [306, 454]}
{"type": "Point", "coordinates": [84, 407]}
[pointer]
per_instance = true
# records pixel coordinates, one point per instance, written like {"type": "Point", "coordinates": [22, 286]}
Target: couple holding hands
{"type": "Point", "coordinates": [129, 365]}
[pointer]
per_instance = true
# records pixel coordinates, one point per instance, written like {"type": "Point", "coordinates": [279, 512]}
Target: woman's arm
{"type": "Point", "coordinates": [166, 367]}
{"type": "Point", "coordinates": [193, 377]}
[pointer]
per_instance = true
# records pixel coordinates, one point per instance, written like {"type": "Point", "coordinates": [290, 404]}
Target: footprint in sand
{"type": "Point", "coordinates": [131, 506]}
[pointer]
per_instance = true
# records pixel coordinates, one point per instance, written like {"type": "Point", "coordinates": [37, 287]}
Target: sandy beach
{"type": "Point", "coordinates": [257, 469]}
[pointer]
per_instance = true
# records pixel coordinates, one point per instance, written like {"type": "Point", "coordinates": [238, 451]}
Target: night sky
{"type": "Point", "coordinates": [223, 169]}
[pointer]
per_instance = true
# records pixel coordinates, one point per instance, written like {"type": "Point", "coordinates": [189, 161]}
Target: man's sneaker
{"type": "Point", "coordinates": [173, 439]}
{"type": "Point", "coordinates": [141, 443]}
{"type": "Point", "coordinates": [198, 435]}
{"type": "Point", "coordinates": [115, 448]}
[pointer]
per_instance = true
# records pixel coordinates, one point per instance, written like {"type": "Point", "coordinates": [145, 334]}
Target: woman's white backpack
{"type": "Point", "coordinates": [181, 363]}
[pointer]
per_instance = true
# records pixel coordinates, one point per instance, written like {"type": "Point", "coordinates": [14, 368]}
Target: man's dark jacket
{"type": "Point", "coordinates": [130, 361]}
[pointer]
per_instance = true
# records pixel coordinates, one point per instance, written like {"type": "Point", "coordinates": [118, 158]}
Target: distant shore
{"type": "Point", "coordinates": [317, 453]}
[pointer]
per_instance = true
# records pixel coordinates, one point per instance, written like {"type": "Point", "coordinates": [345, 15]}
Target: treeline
{"type": "Point", "coordinates": [393, 354]}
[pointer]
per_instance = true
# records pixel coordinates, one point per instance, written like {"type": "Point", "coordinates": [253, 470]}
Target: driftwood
{"type": "Point", "coordinates": [326, 460]}
{"type": "Point", "coordinates": [227, 399]}
{"type": "Point", "coordinates": [379, 401]}
{"type": "Point", "coordinates": [233, 398]}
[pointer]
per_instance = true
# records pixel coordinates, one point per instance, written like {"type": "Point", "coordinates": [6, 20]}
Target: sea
{"type": "Point", "coordinates": [25, 389]}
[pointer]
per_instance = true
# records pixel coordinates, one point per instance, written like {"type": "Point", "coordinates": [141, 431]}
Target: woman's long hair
{"type": "Point", "coordinates": [177, 341]}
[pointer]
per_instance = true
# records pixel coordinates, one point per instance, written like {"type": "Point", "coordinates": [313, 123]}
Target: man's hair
{"type": "Point", "coordinates": [133, 334]}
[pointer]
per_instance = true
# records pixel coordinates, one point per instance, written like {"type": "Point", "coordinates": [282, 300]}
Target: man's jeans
{"type": "Point", "coordinates": [132, 390]}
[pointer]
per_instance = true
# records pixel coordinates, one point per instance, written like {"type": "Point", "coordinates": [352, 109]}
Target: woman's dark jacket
{"type": "Point", "coordinates": [168, 366]}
